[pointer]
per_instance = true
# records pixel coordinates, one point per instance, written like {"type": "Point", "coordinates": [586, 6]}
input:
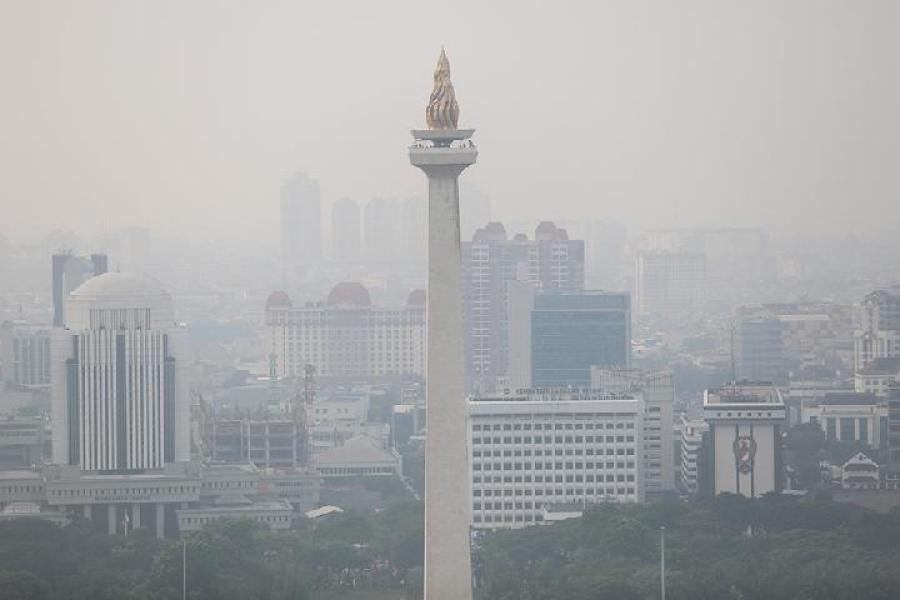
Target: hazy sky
{"type": "Point", "coordinates": [184, 116]}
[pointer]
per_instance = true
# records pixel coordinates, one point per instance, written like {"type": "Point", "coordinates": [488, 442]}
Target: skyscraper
{"type": "Point", "coordinates": [69, 272]}
{"type": "Point", "coordinates": [443, 151]}
{"type": "Point", "coordinates": [571, 332]}
{"type": "Point", "coordinates": [549, 262]}
{"type": "Point", "coordinates": [119, 382]}
{"type": "Point", "coordinates": [301, 220]}
{"type": "Point", "coordinates": [345, 231]}
{"type": "Point", "coordinates": [669, 283]}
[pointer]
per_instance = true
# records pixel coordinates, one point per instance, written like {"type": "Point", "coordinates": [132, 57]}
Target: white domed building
{"type": "Point", "coordinates": [120, 400]}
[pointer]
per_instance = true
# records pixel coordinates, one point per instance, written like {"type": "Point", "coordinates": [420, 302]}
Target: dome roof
{"type": "Point", "coordinates": [416, 298]}
{"type": "Point", "coordinates": [349, 293]}
{"type": "Point", "coordinates": [119, 285]}
{"type": "Point", "coordinates": [278, 299]}
{"type": "Point", "coordinates": [109, 294]}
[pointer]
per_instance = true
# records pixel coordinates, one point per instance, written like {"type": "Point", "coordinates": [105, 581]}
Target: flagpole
{"type": "Point", "coordinates": [184, 568]}
{"type": "Point", "coordinates": [662, 563]}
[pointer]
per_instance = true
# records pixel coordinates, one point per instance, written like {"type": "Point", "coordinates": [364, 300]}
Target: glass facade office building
{"type": "Point", "coordinates": [570, 332]}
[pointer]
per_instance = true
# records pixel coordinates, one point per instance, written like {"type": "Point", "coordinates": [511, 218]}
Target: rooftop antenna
{"type": "Point", "coordinates": [733, 369]}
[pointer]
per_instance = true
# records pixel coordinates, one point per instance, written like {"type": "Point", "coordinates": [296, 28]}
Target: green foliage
{"type": "Point", "coordinates": [227, 560]}
{"type": "Point", "coordinates": [775, 548]}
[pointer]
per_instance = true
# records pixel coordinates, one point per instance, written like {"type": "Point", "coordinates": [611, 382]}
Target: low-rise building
{"type": "Point", "coordinates": [22, 441]}
{"type": "Point", "coordinates": [360, 456]}
{"type": "Point", "coordinates": [860, 473]}
{"type": "Point", "coordinates": [539, 448]}
{"type": "Point", "coordinates": [275, 513]}
{"type": "Point", "coordinates": [850, 417]}
{"type": "Point", "coordinates": [877, 376]}
{"type": "Point", "coordinates": [742, 449]}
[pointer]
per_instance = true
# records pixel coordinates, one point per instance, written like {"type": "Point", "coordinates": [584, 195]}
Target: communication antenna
{"type": "Point", "coordinates": [733, 368]}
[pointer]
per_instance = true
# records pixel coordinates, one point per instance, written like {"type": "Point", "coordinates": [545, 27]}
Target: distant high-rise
{"type": "Point", "coordinates": [669, 283]}
{"type": "Point", "coordinates": [381, 230]}
{"type": "Point", "coordinates": [549, 262]}
{"type": "Point", "coordinates": [301, 220]}
{"type": "Point", "coordinates": [119, 385]}
{"type": "Point", "coordinates": [571, 332]}
{"type": "Point", "coordinates": [69, 272]}
{"type": "Point", "coordinates": [345, 231]}
{"type": "Point", "coordinates": [25, 354]}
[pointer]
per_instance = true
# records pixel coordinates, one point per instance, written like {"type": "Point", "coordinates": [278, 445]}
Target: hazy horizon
{"type": "Point", "coordinates": [185, 117]}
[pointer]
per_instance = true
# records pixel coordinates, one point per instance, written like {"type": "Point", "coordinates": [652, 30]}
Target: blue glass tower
{"type": "Point", "coordinates": [570, 332]}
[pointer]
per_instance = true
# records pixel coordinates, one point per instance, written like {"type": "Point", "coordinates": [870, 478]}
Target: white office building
{"type": "Point", "coordinates": [119, 386]}
{"type": "Point", "coordinates": [538, 448]}
{"type": "Point", "coordinates": [742, 451]}
{"type": "Point", "coordinates": [347, 336]}
{"type": "Point", "coordinates": [657, 389]}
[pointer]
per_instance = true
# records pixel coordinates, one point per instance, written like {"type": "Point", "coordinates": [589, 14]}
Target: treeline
{"type": "Point", "coordinates": [776, 548]}
{"type": "Point", "coordinates": [229, 560]}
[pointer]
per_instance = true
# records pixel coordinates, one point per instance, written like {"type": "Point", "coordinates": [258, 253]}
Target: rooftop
{"type": "Point", "coordinates": [849, 399]}
{"type": "Point", "coordinates": [744, 392]}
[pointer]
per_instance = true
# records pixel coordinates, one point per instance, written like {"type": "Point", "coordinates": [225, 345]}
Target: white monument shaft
{"type": "Point", "coordinates": [442, 152]}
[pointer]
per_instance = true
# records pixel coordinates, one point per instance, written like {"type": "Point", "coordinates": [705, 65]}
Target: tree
{"type": "Point", "coordinates": [22, 585]}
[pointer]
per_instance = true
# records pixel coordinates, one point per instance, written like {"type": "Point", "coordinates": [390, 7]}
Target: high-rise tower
{"type": "Point", "coordinates": [119, 386]}
{"type": "Point", "coordinates": [443, 151]}
{"type": "Point", "coordinates": [301, 220]}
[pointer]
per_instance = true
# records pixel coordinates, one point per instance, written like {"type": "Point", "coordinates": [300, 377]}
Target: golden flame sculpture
{"type": "Point", "coordinates": [442, 111]}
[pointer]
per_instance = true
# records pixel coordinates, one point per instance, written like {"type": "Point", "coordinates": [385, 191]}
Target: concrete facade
{"type": "Point", "coordinates": [443, 154]}
{"type": "Point", "coordinates": [535, 449]}
{"type": "Point", "coordinates": [742, 449]}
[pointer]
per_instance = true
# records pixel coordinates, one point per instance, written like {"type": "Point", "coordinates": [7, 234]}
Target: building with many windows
{"type": "Point", "coordinates": [657, 390]}
{"type": "Point", "coordinates": [25, 355]}
{"type": "Point", "coordinates": [692, 431]}
{"type": "Point", "coordinates": [346, 335]}
{"type": "Point", "coordinates": [549, 262]}
{"type": "Point", "coordinates": [536, 448]}
{"type": "Point", "coordinates": [120, 398]}
{"type": "Point", "coordinates": [573, 331]}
